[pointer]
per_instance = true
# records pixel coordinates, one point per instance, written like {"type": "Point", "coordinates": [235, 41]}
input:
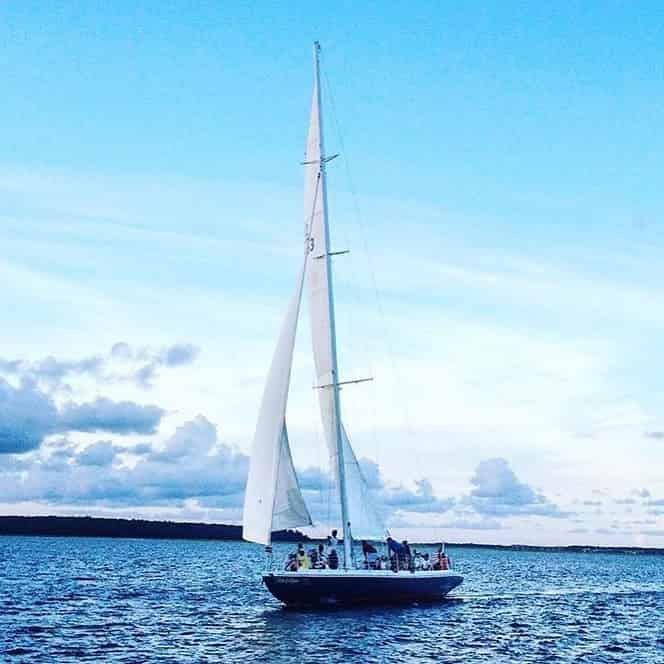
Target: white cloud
{"type": "Point", "coordinates": [122, 364]}
{"type": "Point", "coordinates": [498, 492]}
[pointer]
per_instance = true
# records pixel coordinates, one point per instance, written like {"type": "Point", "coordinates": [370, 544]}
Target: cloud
{"type": "Point", "coordinates": [193, 463]}
{"type": "Point", "coordinates": [121, 350]}
{"type": "Point", "coordinates": [52, 373]}
{"type": "Point", "coordinates": [202, 469]}
{"type": "Point", "coordinates": [190, 465]}
{"type": "Point", "coordinates": [173, 356]}
{"type": "Point", "coordinates": [422, 499]}
{"type": "Point", "coordinates": [314, 479]}
{"type": "Point", "coordinates": [498, 492]}
{"type": "Point", "coordinates": [624, 501]}
{"type": "Point", "coordinates": [100, 453]}
{"type": "Point", "coordinates": [465, 524]}
{"type": "Point", "coordinates": [194, 439]}
{"type": "Point", "coordinates": [122, 417]}
{"type": "Point", "coordinates": [387, 499]}
{"type": "Point", "coordinates": [641, 493]}
{"type": "Point", "coordinates": [140, 448]}
{"type": "Point", "coordinates": [179, 354]}
{"type": "Point", "coordinates": [27, 415]}
{"type": "Point", "coordinates": [50, 370]}
{"type": "Point", "coordinates": [655, 435]}
{"type": "Point", "coordinates": [390, 498]}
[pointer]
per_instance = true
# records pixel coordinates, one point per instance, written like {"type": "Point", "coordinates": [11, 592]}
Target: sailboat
{"type": "Point", "coordinates": [273, 499]}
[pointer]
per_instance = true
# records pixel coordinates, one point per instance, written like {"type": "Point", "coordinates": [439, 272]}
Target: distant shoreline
{"type": "Point", "coordinates": [85, 526]}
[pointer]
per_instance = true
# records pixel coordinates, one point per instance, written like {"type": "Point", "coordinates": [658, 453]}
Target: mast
{"type": "Point", "coordinates": [343, 494]}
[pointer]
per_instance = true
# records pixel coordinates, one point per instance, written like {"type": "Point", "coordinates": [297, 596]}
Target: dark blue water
{"type": "Point", "coordinates": [96, 600]}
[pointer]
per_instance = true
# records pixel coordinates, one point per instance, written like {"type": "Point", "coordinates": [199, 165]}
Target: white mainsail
{"type": "Point", "coordinates": [356, 504]}
{"type": "Point", "coordinates": [318, 273]}
{"type": "Point", "coordinates": [272, 498]}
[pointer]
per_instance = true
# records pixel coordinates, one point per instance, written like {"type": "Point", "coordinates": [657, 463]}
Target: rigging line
{"type": "Point", "coordinates": [359, 217]}
{"type": "Point", "coordinates": [352, 322]}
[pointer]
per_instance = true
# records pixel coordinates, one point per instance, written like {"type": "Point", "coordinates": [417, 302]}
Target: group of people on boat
{"type": "Point", "coordinates": [397, 556]}
{"type": "Point", "coordinates": [400, 556]}
{"type": "Point", "coordinates": [323, 556]}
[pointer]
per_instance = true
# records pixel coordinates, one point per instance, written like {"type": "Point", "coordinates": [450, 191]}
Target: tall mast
{"type": "Point", "coordinates": [348, 545]}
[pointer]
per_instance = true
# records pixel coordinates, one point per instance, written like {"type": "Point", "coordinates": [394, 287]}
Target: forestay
{"type": "Point", "coordinates": [273, 499]}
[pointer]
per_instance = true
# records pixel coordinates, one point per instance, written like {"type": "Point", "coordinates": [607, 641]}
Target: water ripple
{"type": "Point", "coordinates": [122, 601]}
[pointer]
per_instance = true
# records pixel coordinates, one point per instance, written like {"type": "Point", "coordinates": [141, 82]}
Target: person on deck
{"type": "Point", "coordinates": [441, 561]}
{"type": "Point", "coordinates": [333, 559]}
{"type": "Point", "coordinates": [395, 551]}
{"type": "Point", "coordinates": [302, 558]}
{"type": "Point", "coordinates": [426, 563]}
{"type": "Point", "coordinates": [320, 562]}
{"type": "Point", "coordinates": [291, 563]}
{"type": "Point", "coordinates": [332, 541]}
{"type": "Point", "coordinates": [417, 560]}
{"type": "Point", "coordinates": [407, 557]}
{"type": "Point", "coordinates": [370, 555]}
{"type": "Point", "coordinates": [332, 555]}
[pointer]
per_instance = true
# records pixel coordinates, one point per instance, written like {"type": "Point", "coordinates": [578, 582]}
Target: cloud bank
{"type": "Point", "coordinates": [28, 415]}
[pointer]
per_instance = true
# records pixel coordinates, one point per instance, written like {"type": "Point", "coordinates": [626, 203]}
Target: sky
{"type": "Point", "coordinates": [499, 189]}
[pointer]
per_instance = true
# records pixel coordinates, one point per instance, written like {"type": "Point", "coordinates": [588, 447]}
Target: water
{"type": "Point", "coordinates": [97, 600]}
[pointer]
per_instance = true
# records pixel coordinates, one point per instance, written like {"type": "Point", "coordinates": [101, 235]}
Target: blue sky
{"type": "Point", "coordinates": [507, 160]}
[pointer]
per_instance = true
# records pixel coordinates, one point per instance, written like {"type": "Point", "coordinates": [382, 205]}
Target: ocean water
{"type": "Point", "coordinates": [99, 600]}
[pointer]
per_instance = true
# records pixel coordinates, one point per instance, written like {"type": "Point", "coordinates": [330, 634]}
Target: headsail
{"type": "Point", "coordinates": [272, 499]}
{"type": "Point", "coordinates": [289, 509]}
{"type": "Point", "coordinates": [366, 521]}
{"type": "Point", "coordinates": [356, 504]}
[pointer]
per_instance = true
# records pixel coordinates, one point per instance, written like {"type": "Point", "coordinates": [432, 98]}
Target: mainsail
{"type": "Point", "coordinates": [273, 499]}
{"type": "Point", "coordinates": [356, 503]}
{"type": "Point", "coordinates": [321, 309]}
